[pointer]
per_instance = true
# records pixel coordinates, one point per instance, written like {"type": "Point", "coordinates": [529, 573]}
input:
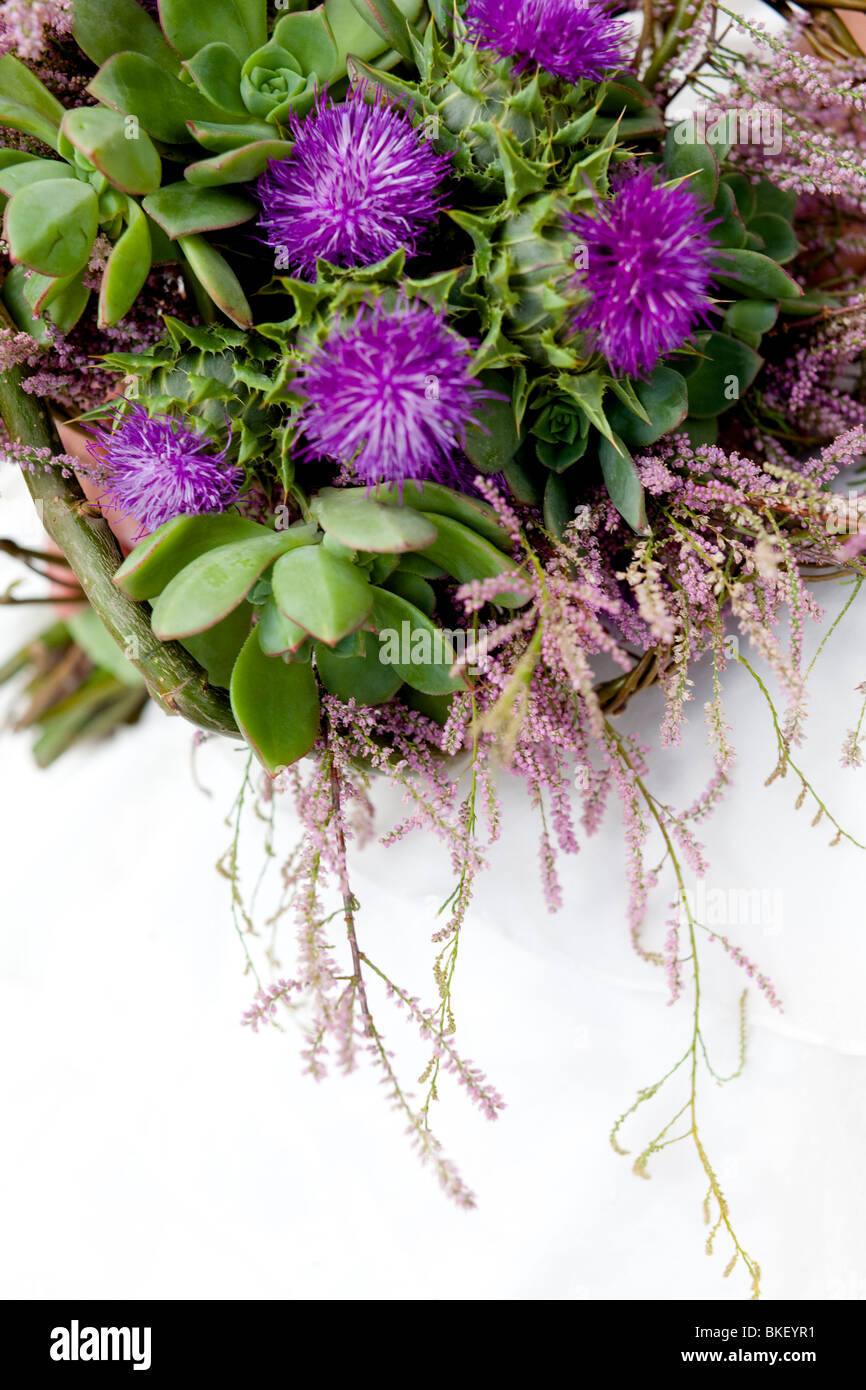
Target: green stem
{"type": "Point", "coordinates": [174, 680]}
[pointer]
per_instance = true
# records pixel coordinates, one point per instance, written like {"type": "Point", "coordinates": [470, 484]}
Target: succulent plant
{"type": "Point", "coordinates": [253, 603]}
{"type": "Point", "coordinates": [212, 92]}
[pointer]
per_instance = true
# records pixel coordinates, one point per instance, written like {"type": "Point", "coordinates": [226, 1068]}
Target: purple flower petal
{"type": "Point", "coordinates": [156, 468]}
{"type": "Point", "coordinates": [574, 39]}
{"type": "Point", "coordinates": [391, 395]}
{"type": "Point", "coordinates": [648, 269]}
{"type": "Point", "coordinates": [360, 183]}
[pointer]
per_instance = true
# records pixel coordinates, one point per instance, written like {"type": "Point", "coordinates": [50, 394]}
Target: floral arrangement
{"type": "Point", "coordinates": [454, 392]}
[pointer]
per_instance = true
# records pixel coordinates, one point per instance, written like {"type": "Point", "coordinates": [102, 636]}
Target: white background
{"type": "Point", "coordinates": [155, 1148]}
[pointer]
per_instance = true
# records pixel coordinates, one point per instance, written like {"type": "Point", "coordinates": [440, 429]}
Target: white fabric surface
{"type": "Point", "coordinates": [154, 1148]}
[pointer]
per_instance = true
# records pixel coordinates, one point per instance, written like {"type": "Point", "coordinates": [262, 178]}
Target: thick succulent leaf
{"type": "Point", "coordinates": [26, 105]}
{"type": "Point", "coordinates": [101, 30]}
{"type": "Point", "coordinates": [718, 379]}
{"type": "Point", "coordinates": [755, 276]}
{"type": "Point", "coordinates": [362, 524]}
{"type": "Point", "coordinates": [664, 399]}
{"type": "Point", "coordinates": [416, 562]}
{"type": "Point", "coordinates": [365, 678]}
{"type": "Point", "coordinates": [218, 278]}
{"type": "Point", "coordinates": [327, 596]}
{"type": "Point", "coordinates": [744, 192]}
{"type": "Point", "coordinates": [778, 236]}
{"type": "Point", "coordinates": [222, 137]}
{"type": "Point", "coordinates": [306, 35]}
{"type": "Point", "coordinates": [751, 318]}
{"type": "Point", "coordinates": [435, 497]}
{"type": "Point", "coordinates": [181, 210]}
{"type": "Point", "coordinates": [20, 310]}
{"type": "Point", "coordinates": [276, 706]}
{"type": "Point", "coordinates": [236, 166]}
{"type": "Point", "coordinates": [51, 226]}
{"type": "Point", "coordinates": [421, 653]}
{"type": "Point", "coordinates": [731, 230]}
{"type": "Point", "coordinates": [16, 176]}
{"type": "Point", "coordinates": [217, 649]}
{"type": "Point", "coordinates": [413, 588]}
{"type": "Point", "coordinates": [494, 439]}
{"type": "Point", "coordinates": [557, 507]}
{"type": "Point", "coordinates": [41, 290]}
{"type": "Point", "coordinates": [692, 160]}
{"type": "Point", "coordinates": [131, 83]}
{"type": "Point", "coordinates": [623, 484]}
{"type": "Point", "coordinates": [468, 556]}
{"type": "Point", "coordinates": [241, 24]}
{"type": "Point", "coordinates": [216, 72]}
{"type": "Point", "coordinates": [69, 304]}
{"type": "Point", "coordinates": [779, 201]}
{"type": "Point", "coordinates": [127, 269]}
{"type": "Point", "coordinates": [277, 633]}
{"type": "Point", "coordinates": [209, 588]}
{"type": "Point", "coordinates": [126, 156]}
{"type": "Point", "coordinates": [159, 557]}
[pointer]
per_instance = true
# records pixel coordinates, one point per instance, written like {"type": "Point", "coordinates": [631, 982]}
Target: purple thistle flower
{"type": "Point", "coordinates": [648, 271]}
{"type": "Point", "coordinates": [156, 469]}
{"type": "Point", "coordinates": [360, 183]}
{"type": "Point", "coordinates": [574, 39]}
{"type": "Point", "coordinates": [391, 395]}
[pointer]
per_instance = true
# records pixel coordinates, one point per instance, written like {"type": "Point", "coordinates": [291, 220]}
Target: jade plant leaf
{"type": "Point", "coordinates": [327, 596]}
{"type": "Point", "coordinates": [443, 501]}
{"type": "Point", "coordinates": [421, 653]}
{"type": "Point", "coordinates": [694, 159]}
{"type": "Point", "coordinates": [51, 226]}
{"type": "Point", "coordinates": [777, 234]}
{"type": "Point", "coordinates": [185, 211]}
{"type": "Point", "coordinates": [135, 85]}
{"type": "Point", "coordinates": [124, 153]}
{"type": "Point", "coordinates": [217, 649]}
{"type": "Point", "coordinates": [468, 556]}
{"type": "Point", "coordinates": [69, 304]}
{"type": "Point", "coordinates": [749, 319]}
{"type": "Point", "coordinates": [236, 166]}
{"type": "Point", "coordinates": [365, 678]}
{"type": "Point", "coordinates": [413, 588]}
{"type": "Point", "coordinates": [717, 380]}
{"type": "Point", "coordinates": [557, 508]}
{"type": "Point", "coordinates": [209, 588]}
{"type": "Point", "coordinates": [275, 704]}
{"type": "Point", "coordinates": [218, 278]}
{"type": "Point", "coordinates": [20, 310]}
{"type": "Point", "coordinates": [101, 30]}
{"type": "Point", "coordinates": [17, 176]}
{"type": "Point", "coordinates": [26, 105]}
{"type": "Point", "coordinates": [159, 557]}
{"type": "Point", "coordinates": [277, 633]}
{"type": "Point", "coordinates": [494, 439]}
{"type": "Point", "coordinates": [216, 71]}
{"type": "Point", "coordinates": [623, 484]}
{"type": "Point", "coordinates": [755, 276]}
{"type": "Point", "coordinates": [362, 524]}
{"type": "Point", "coordinates": [664, 399]}
{"type": "Point", "coordinates": [240, 24]}
{"type": "Point", "coordinates": [127, 269]}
